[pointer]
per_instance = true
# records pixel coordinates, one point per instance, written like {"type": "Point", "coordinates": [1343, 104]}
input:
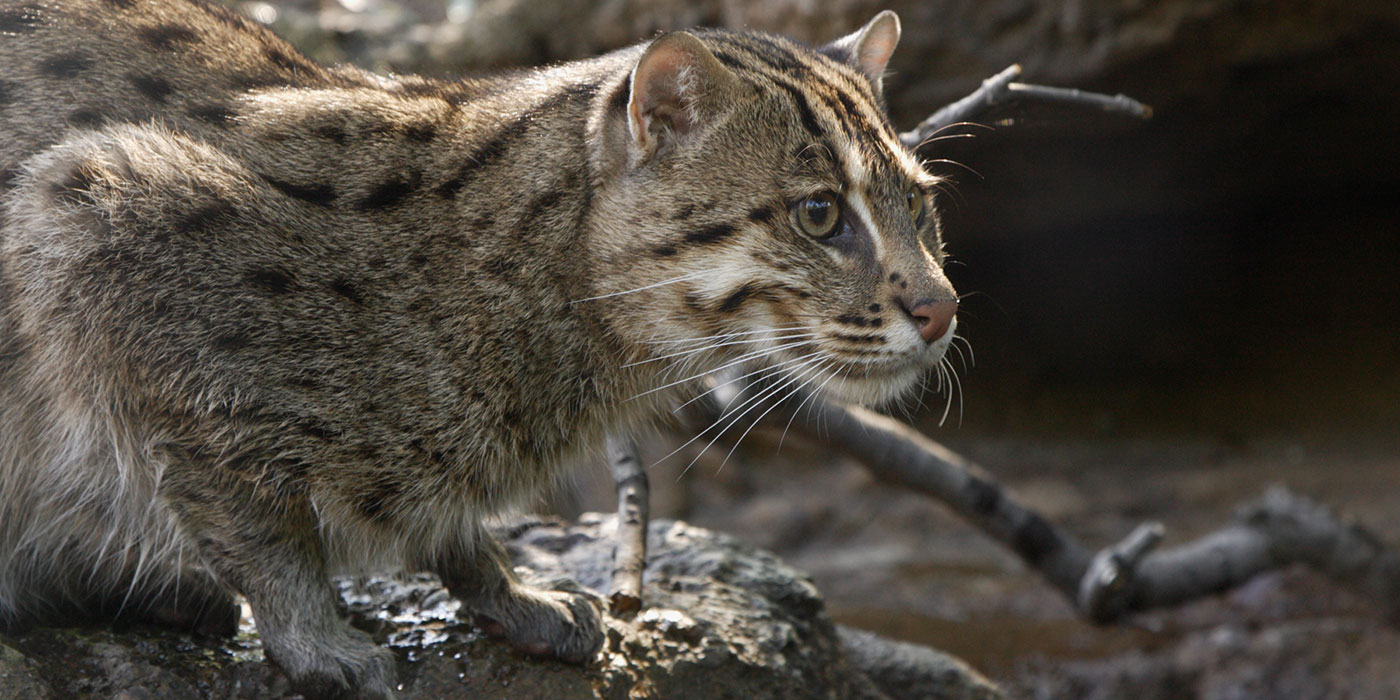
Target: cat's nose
{"type": "Point", "coordinates": [932, 317]}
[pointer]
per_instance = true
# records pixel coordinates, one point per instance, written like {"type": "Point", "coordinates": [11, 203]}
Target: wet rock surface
{"type": "Point", "coordinates": [723, 620]}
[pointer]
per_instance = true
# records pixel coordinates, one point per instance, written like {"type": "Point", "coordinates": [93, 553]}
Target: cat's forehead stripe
{"type": "Point", "coordinates": [855, 116]}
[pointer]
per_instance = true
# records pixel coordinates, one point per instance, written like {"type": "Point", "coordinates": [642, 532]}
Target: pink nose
{"type": "Point", "coordinates": [933, 318]}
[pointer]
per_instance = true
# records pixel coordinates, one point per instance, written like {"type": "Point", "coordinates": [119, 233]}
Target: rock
{"type": "Point", "coordinates": [19, 679]}
{"type": "Point", "coordinates": [721, 620]}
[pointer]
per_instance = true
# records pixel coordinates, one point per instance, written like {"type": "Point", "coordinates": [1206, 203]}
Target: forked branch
{"type": "Point", "coordinates": [1001, 89]}
{"type": "Point", "coordinates": [1278, 530]}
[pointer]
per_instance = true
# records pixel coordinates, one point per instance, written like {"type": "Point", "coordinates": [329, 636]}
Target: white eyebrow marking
{"type": "Point", "coordinates": [862, 209]}
{"type": "Point", "coordinates": [855, 197]}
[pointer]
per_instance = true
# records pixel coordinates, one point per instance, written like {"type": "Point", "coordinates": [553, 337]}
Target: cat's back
{"type": "Point", "coordinates": [83, 64]}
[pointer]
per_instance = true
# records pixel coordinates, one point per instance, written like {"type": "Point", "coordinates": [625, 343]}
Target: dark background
{"type": "Point", "coordinates": [1227, 268]}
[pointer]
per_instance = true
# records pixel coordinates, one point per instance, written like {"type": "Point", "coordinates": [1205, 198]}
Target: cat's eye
{"type": "Point", "coordinates": [818, 214]}
{"type": "Point", "coordinates": [914, 199]}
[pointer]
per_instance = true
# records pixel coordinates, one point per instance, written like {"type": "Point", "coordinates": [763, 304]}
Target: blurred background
{"type": "Point", "coordinates": [1167, 315]}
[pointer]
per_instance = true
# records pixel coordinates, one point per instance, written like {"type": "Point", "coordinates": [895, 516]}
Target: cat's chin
{"type": "Point", "coordinates": [875, 391]}
{"type": "Point", "coordinates": [882, 385]}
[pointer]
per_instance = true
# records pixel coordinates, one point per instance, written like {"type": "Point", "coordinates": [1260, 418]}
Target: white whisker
{"type": "Point", "coordinates": [712, 346]}
{"type": "Point", "coordinates": [673, 280]}
{"type": "Point", "coordinates": [736, 334]}
{"type": "Point", "coordinates": [816, 375]}
{"type": "Point", "coordinates": [723, 415]}
{"type": "Point", "coordinates": [752, 355]}
{"type": "Point", "coordinates": [811, 396]}
{"type": "Point", "coordinates": [765, 371]}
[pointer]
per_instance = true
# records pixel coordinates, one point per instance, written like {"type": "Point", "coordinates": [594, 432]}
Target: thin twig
{"type": "Point", "coordinates": [1000, 89]}
{"type": "Point", "coordinates": [633, 508]}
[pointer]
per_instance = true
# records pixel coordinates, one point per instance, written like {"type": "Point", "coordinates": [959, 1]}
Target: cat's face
{"type": "Point", "coordinates": [792, 234]}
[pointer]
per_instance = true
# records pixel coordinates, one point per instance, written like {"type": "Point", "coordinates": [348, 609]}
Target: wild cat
{"type": "Point", "coordinates": [262, 320]}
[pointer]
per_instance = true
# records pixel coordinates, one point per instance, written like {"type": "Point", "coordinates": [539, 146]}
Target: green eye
{"type": "Point", "coordinates": [818, 215]}
{"type": "Point", "coordinates": [915, 200]}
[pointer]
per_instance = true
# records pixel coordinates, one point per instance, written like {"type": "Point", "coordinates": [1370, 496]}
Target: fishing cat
{"type": "Point", "coordinates": [263, 320]}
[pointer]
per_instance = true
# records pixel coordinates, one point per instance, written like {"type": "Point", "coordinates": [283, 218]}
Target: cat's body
{"type": "Point", "coordinates": [261, 320]}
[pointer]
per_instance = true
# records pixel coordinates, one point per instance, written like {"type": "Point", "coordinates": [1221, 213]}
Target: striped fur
{"type": "Point", "coordinates": [261, 319]}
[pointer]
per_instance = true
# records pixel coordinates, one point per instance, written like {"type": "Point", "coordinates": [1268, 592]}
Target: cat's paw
{"type": "Point", "coordinates": [563, 622]}
{"type": "Point", "coordinates": [350, 667]}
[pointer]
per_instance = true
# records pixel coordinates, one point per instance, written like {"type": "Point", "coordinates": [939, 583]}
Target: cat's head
{"type": "Point", "coordinates": [755, 194]}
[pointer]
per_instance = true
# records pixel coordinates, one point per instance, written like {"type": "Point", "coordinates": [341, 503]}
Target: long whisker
{"type": "Point", "coordinates": [968, 343]}
{"type": "Point", "coordinates": [752, 403]}
{"type": "Point", "coordinates": [946, 127]}
{"type": "Point", "coordinates": [961, 357]}
{"type": "Point", "coordinates": [736, 334]}
{"type": "Point", "coordinates": [712, 346]}
{"type": "Point", "coordinates": [954, 162]}
{"type": "Point", "coordinates": [752, 355]}
{"type": "Point", "coordinates": [815, 376]}
{"type": "Point", "coordinates": [765, 371]}
{"type": "Point", "coordinates": [673, 280]}
{"type": "Point", "coordinates": [723, 415]}
{"type": "Point", "coordinates": [957, 387]}
{"type": "Point", "coordinates": [811, 396]}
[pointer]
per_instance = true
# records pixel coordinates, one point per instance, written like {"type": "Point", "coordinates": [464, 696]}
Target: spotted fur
{"type": "Point", "coordinates": [261, 320]}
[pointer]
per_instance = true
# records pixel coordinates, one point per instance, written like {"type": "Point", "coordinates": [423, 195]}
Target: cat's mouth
{"type": "Point", "coordinates": [877, 378]}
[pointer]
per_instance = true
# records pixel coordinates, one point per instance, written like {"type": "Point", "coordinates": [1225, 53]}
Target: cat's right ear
{"type": "Point", "coordinates": [676, 86]}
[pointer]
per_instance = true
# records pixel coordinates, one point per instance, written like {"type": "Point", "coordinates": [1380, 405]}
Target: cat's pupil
{"type": "Point", "coordinates": [817, 215]}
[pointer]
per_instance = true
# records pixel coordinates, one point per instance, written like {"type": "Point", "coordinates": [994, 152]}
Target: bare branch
{"type": "Point", "coordinates": [999, 89]}
{"type": "Point", "coordinates": [1279, 530]}
{"type": "Point", "coordinates": [633, 513]}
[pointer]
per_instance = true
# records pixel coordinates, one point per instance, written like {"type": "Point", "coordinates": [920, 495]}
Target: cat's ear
{"type": "Point", "coordinates": [676, 85]}
{"type": "Point", "coordinates": [869, 48]}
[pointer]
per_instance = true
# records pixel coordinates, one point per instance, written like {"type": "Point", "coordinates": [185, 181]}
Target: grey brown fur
{"type": "Point", "coordinates": [262, 320]}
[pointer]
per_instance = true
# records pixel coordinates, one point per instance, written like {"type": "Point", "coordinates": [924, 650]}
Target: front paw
{"type": "Point", "coordinates": [563, 623]}
{"type": "Point", "coordinates": [347, 665]}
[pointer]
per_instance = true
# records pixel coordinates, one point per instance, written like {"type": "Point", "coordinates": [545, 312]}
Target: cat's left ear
{"type": "Point", "coordinates": [677, 87]}
{"type": "Point", "coordinates": [869, 48]}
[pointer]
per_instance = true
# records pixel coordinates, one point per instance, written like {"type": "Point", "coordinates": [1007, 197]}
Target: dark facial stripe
{"type": "Point", "coordinates": [804, 110]}
{"type": "Point", "coordinates": [320, 195]}
{"type": "Point", "coordinates": [710, 234]}
{"type": "Point", "coordinates": [784, 63]}
{"type": "Point", "coordinates": [762, 215]}
{"type": "Point", "coordinates": [863, 339]}
{"type": "Point", "coordinates": [860, 321]}
{"type": "Point", "coordinates": [738, 297]}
